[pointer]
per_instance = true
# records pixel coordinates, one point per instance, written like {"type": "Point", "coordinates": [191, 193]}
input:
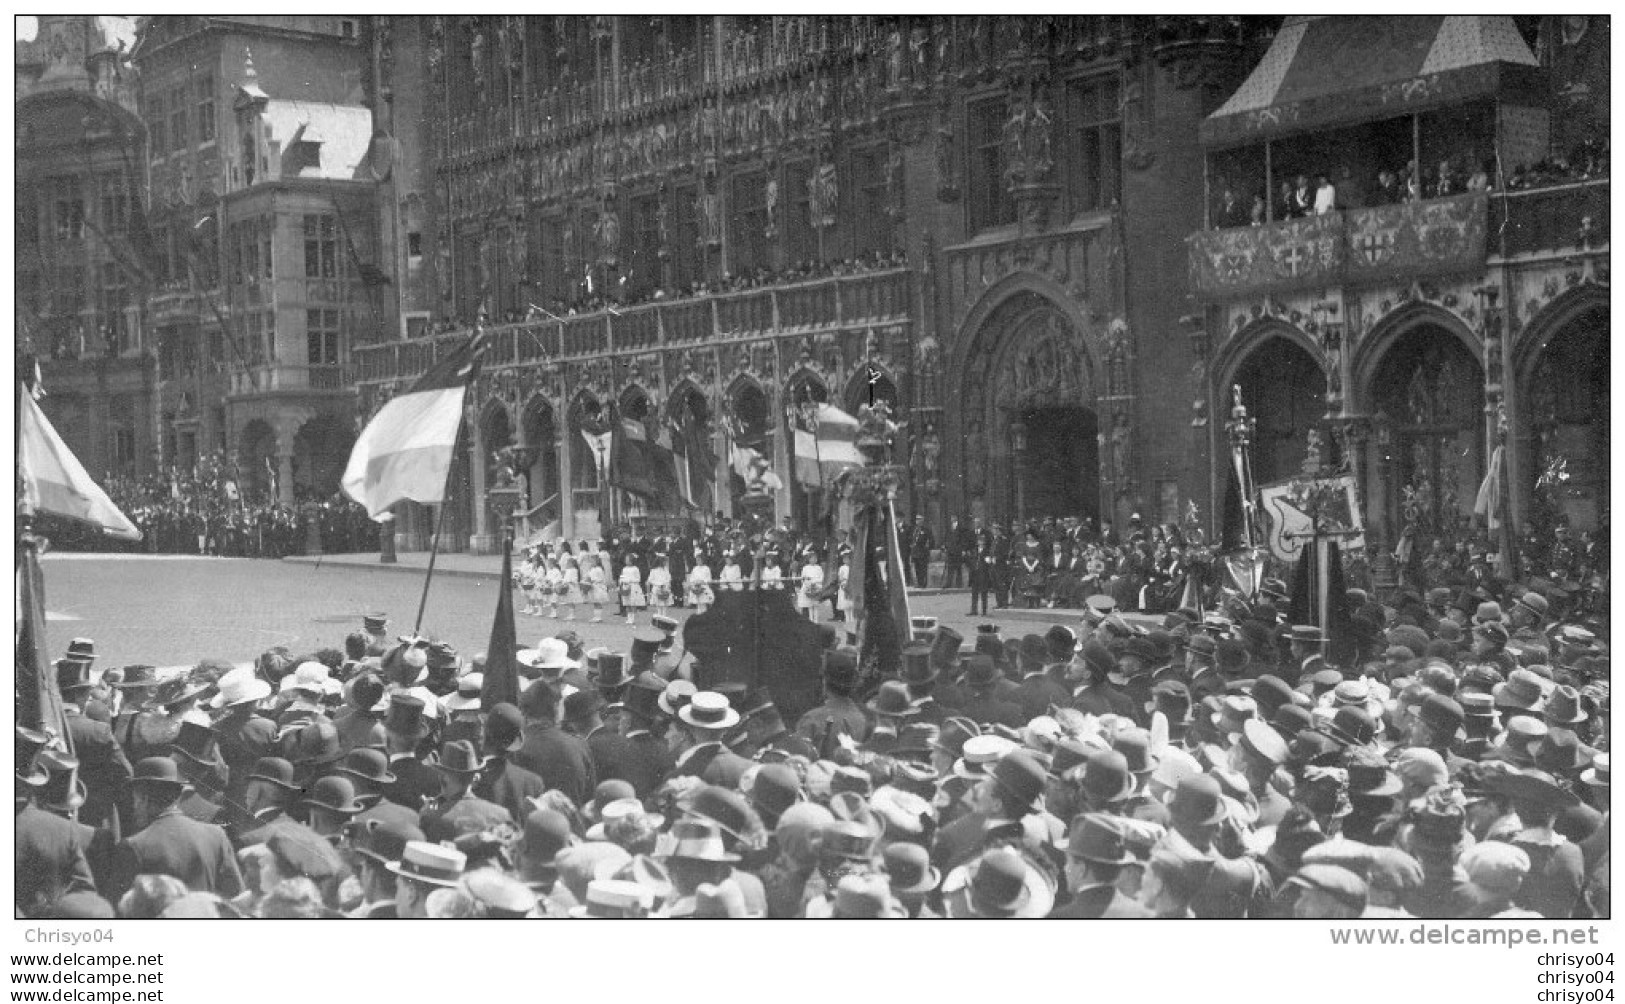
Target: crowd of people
{"type": "Point", "coordinates": [212, 509]}
{"type": "Point", "coordinates": [1308, 193]}
{"type": "Point", "coordinates": [591, 298]}
{"type": "Point", "coordinates": [1213, 762]}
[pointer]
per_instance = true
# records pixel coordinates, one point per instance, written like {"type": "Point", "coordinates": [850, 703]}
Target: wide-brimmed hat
{"type": "Point", "coordinates": [1596, 776]}
{"type": "Point", "coordinates": [240, 686]}
{"type": "Point", "coordinates": [710, 711]}
{"type": "Point", "coordinates": [467, 696]}
{"type": "Point", "coordinates": [891, 699]}
{"type": "Point", "coordinates": [550, 657]}
{"type": "Point", "coordinates": [178, 690]}
{"type": "Point", "coordinates": [999, 884]}
{"type": "Point", "coordinates": [137, 677]}
{"type": "Point", "coordinates": [676, 695]}
{"type": "Point", "coordinates": [460, 757]}
{"type": "Point", "coordinates": [1561, 753]}
{"type": "Point", "coordinates": [1443, 715]}
{"type": "Point", "coordinates": [699, 839]}
{"type": "Point", "coordinates": [433, 864]}
{"type": "Point", "coordinates": [979, 755]}
{"type": "Point", "coordinates": [309, 677]}
{"type": "Point", "coordinates": [1106, 778]}
{"type": "Point", "coordinates": [614, 899]}
{"type": "Point", "coordinates": [1370, 775]}
{"type": "Point", "coordinates": [1530, 785]}
{"type": "Point", "coordinates": [1522, 689]}
{"type": "Point", "coordinates": [316, 741]}
{"type": "Point", "coordinates": [73, 674]}
{"type": "Point", "coordinates": [333, 794]}
{"type": "Point", "coordinates": [1563, 707]}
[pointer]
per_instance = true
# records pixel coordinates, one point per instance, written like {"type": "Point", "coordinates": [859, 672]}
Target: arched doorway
{"type": "Point", "coordinates": [1427, 392]}
{"type": "Point", "coordinates": [634, 404]}
{"type": "Point", "coordinates": [256, 460]}
{"type": "Point", "coordinates": [696, 456]}
{"type": "Point", "coordinates": [496, 435]}
{"type": "Point", "coordinates": [321, 449]}
{"type": "Point", "coordinates": [1031, 434]}
{"type": "Point", "coordinates": [804, 393]}
{"type": "Point", "coordinates": [868, 385]}
{"type": "Point", "coordinates": [537, 430]}
{"type": "Point", "coordinates": [1284, 390]}
{"type": "Point", "coordinates": [1566, 407]}
{"type": "Point", "coordinates": [753, 455]}
{"type": "Point", "coordinates": [589, 424]}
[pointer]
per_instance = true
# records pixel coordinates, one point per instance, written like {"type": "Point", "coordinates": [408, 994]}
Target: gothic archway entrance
{"type": "Point", "coordinates": [1567, 408]}
{"type": "Point", "coordinates": [1284, 389]}
{"type": "Point", "coordinates": [1429, 395]}
{"type": "Point", "coordinates": [1031, 437]}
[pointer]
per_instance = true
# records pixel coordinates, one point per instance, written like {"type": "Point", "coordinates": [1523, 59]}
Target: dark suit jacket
{"type": "Point", "coordinates": [562, 760]}
{"type": "Point", "coordinates": [51, 860]}
{"type": "Point", "coordinates": [1101, 902]}
{"type": "Point", "coordinates": [647, 764]}
{"type": "Point", "coordinates": [610, 752]}
{"type": "Point", "coordinates": [510, 785]}
{"type": "Point", "coordinates": [198, 854]}
{"type": "Point", "coordinates": [103, 768]}
{"type": "Point", "coordinates": [712, 763]}
{"type": "Point", "coordinates": [415, 783]}
{"type": "Point", "coordinates": [1036, 692]}
{"type": "Point", "coordinates": [447, 821]}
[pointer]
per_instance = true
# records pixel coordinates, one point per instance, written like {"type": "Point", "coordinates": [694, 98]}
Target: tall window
{"type": "Point", "coordinates": [321, 247]}
{"type": "Point", "coordinates": [203, 89]}
{"type": "Point", "coordinates": [640, 257]}
{"type": "Point", "coordinates": [872, 229]}
{"type": "Point", "coordinates": [549, 254]}
{"type": "Point", "coordinates": [114, 217]}
{"type": "Point", "coordinates": [322, 336]}
{"type": "Point", "coordinates": [266, 230]}
{"type": "Point", "coordinates": [1094, 176]}
{"type": "Point", "coordinates": [990, 202]}
{"type": "Point", "coordinates": [748, 216]}
{"type": "Point", "coordinates": [180, 110]}
{"type": "Point", "coordinates": [157, 134]}
{"type": "Point", "coordinates": [687, 260]}
{"type": "Point", "coordinates": [800, 239]}
{"type": "Point", "coordinates": [67, 209]}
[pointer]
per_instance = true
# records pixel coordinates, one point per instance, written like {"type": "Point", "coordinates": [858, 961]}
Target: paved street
{"type": "Point", "coordinates": [170, 610]}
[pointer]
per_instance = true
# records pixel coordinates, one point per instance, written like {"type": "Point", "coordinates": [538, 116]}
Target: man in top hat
{"type": "Point", "coordinates": [405, 729]}
{"type": "Point", "coordinates": [982, 702]}
{"type": "Point", "coordinates": [459, 812]}
{"type": "Point", "coordinates": [765, 735]}
{"type": "Point", "coordinates": [171, 843]}
{"type": "Point", "coordinates": [707, 719]}
{"type": "Point", "coordinates": [563, 761]}
{"type": "Point", "coordinates": [51, 861]}
{"type": "Point", "coordinates": [1097, 856]}
{"type": "Point", "coordinates": [648, 758]}
{"type": "Point", "coordinates": [103, 765]}
{"type": "Point", "coordinates": [840, 713]}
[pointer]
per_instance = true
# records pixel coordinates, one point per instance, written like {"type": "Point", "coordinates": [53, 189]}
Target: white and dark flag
{"type": "Point", "coordinates": [405, 452]}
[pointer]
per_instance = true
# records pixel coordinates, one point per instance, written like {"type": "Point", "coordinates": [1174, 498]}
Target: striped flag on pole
{"type": "Point", "coordinates": [54, 481]}
{"type": "Point", "coordinates": [405, 452]}
{"type": "Point", "coordinates": [828, 449]}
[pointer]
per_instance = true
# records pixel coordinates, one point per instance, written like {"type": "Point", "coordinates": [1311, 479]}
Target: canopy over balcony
{"type": "Point", "coordinates": [1323, 72]}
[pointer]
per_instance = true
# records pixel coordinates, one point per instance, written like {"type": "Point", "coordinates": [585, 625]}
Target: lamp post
{"type": "Point", "coordinates": [1240, 428]}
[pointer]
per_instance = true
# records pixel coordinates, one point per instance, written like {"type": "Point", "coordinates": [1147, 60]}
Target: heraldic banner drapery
{"type": "Point", "coordinates": [1355, 246]}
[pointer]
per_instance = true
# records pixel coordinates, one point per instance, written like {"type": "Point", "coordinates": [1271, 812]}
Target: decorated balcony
{"type": "Point", "coordinates": [1561, 217]}
{"type": "Point", "coordinates": [791, 308]}
{"type": "Point", "coordinates": [1358, 246]}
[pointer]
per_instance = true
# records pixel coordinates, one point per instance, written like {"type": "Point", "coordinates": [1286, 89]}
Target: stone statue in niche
{"type": "Point", "coordinates": [975, 457]}
{"type": "Point", "coordinates": [930, 450]}
{"type": "Point", "coordinates": [1117, 356]}
{"type": "Point", "coordinates": [477, 60]}
{"type": "Point", "coordinates": [1120, 449]}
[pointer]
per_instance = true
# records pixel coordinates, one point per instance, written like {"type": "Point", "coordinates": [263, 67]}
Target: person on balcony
{"type": "Point", "coordinates": [1389, 191]}
{"type": "Point", "coordinates": [1260, 212]}
{"type": "Point", "coordinates": [1325, 195]}
{"type": "Point", "coordinates": [1350, 191]}
{"type": "Point", "coordinates": [1301, 200]}
{"type": "Point", "coordinates": [1229, 212]}
{"type": "Point", "coordinates": [1446, 182]}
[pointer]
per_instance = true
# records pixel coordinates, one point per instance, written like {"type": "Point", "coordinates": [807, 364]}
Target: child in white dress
{"type": "Point", "coordinates": [812, 583]}
{"type": "Point", "coordinates": [632, 598]}
{"type": "Point", "coordinates": [772, 574]}
{"type": "Point", "coordinates": [700, 596]}
{"type": "Point", "coordinates": [570, 587]}
{"type": "Point", "coordinates": [843, 594]}
{"type": "Point", "coordinates": [659, 583]}
{"type": "Point", "coordinates": [597, 583]}
{"type": "Point", "coordinates": [731, 575]}
{"type": "Point", "coordinates": [552, 583]}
